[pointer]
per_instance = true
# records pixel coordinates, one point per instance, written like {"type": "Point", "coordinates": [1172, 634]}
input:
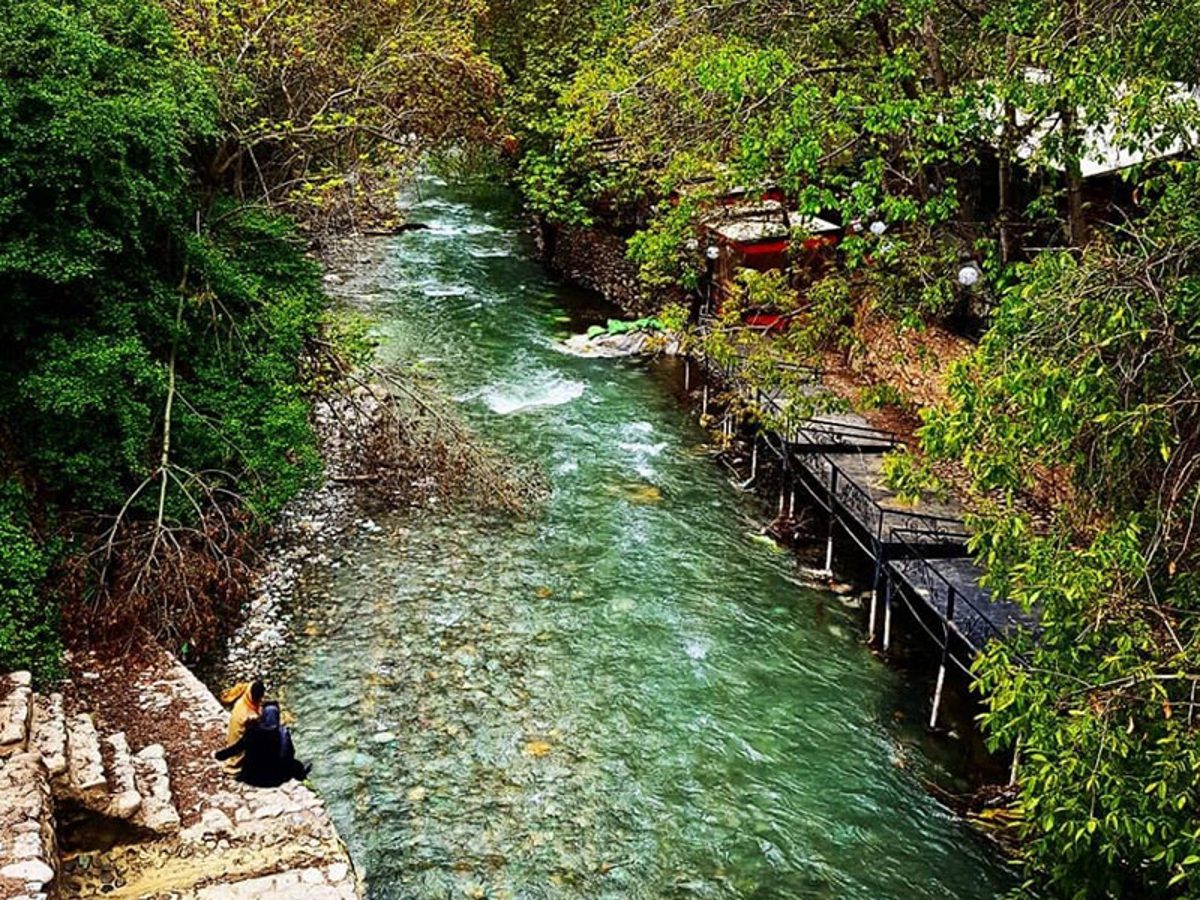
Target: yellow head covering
{"type": "Point", "coordinates": [233, 694]}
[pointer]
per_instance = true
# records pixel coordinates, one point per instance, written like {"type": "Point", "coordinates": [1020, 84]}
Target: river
{"type": "Point", "coordinates": [628, 695]}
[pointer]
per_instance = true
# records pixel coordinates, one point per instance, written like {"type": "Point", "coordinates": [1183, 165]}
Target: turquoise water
{"type": "Point", "coordinates": [626, 696]}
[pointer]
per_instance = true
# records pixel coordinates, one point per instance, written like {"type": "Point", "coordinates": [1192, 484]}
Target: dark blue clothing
{"type": "Point", "coordinates": [268, 756]}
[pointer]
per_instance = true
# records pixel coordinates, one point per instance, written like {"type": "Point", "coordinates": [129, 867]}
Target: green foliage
{"type": "Point", "coordinates": [618, 326]}
{"type": "Point", "coordinates": [28, 620]}
{"type": "Point", "coordinates": [1089, 372]}
{"type": "Point", "coordinates": [91, 175]}
{"type": "Point", "coordinates": [87, 345]}
{"type": "Point", "coordinates": [912, 479]}
{"type": "Point", "coordinates": [324, 105]}
{"type": "Point", "coordinates": [95, 111]}
{"type": "Point", "coordinates": [883, 112]}
{"type": "Point", "coordinates": [86, 407]}
{"type": "Point", "coordinates": [667, 250]}
{"type": "Point", "coordinates": [155, 335]}
{"type": "Point", "coordinates": [674, 318]}
{"type": "Point", "coordinates": [539, 45]}
{"type": "Point", "coordinates": [879, 396]}
{"type": "Point", "coordinates": [246, 410]}
{"type": "Point", "coordinates": [767, 290]}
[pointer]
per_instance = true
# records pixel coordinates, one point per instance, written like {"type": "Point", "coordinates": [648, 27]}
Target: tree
{"type": "Point", "coordinates": [1090, 372]}
{"type": "Point", "coordinates": [324, 105]}
{"type": "Point", "coordinates": [152, 354]}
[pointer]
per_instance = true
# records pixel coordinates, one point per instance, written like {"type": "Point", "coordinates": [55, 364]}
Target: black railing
{"type": "Point", "coordinates": [906, 542]}
{"type": "Point", "coordinates": [851, 433]}
{"type": "Point", "coordinates": [876, 522]}
{"type": "Point", "coordinates": [972, 613]}
{"type": "Point", "coordinates": [934, 536]}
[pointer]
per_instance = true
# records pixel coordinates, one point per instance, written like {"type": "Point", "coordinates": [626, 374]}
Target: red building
{"type": "Point", "coordinates": [763, 237]}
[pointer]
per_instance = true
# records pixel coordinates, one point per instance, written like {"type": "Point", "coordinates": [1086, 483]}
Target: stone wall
{"type": "Point", "coordinates": [27, 848]}
{"type": "Point", "coordinates": [595, 259]}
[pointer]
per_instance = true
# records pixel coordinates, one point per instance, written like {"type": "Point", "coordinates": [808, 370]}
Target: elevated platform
{"type": "Point", "coordinates": [951, 593]}
{"type": "Point", "coordinates": [919, 550]}
{"type": "Point", "coordinates": [849, 483]}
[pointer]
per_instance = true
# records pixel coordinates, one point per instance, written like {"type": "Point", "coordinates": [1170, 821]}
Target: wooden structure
{"type": "Point", "coordinates": [919, 553]}
{"type": "Point", "coordinates": [758, 236]}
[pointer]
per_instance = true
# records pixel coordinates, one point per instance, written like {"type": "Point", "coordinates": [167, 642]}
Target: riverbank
{"type": "Point", "coordinates": [389, 442]}
{"type": "Point", "coordinates": [132, 803]}
{"type": "Point", "coordinates": [184, 827]}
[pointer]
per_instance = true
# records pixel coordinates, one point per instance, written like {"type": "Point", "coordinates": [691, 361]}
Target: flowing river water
{"type": "Point", "coordinates": [628, 695]}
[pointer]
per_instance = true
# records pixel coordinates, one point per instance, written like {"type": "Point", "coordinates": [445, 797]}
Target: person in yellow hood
{"type": "Point", "coordinates": [247, 702]}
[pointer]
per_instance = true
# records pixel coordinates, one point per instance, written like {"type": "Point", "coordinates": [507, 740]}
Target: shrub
{"type": "Point", "coordinates": [28, 622]}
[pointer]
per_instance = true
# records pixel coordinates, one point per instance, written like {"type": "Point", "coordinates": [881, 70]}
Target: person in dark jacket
{"type": "Point", "coordinates": [268, 756]}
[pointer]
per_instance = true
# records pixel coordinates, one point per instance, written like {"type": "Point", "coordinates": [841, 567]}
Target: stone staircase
{"type": "Point", "coordinates": [104, 788]}
{"type": "Point", "coordinates": [58, 775]}
{"type": "Point", "coordinates": [86, 813]}
{"type": "Point", "coordinates": [28, 853]}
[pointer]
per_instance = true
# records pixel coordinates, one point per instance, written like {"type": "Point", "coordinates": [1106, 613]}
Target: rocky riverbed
{"type": "Point", "coordinates": [628, 693]}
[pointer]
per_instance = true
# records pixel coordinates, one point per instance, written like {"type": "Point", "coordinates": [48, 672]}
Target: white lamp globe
{"type": "Point", "coordinates": [969, 275]}
{"type": "Point", "coordinates": [713, 251]}
{"type": "Point", "coordinates": [878, 227]}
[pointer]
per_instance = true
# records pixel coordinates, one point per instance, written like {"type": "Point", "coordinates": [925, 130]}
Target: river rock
{"type": "Point", "coordinates": [606, 346]}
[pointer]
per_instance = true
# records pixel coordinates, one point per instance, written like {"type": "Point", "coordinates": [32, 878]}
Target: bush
{"type": "Point", "coordinates": [28, 622]}
{"type": "Point", "coordinates": [1090, 371]}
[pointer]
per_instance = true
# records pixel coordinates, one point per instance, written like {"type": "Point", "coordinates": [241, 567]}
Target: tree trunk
{"type": "Point", "coordinates": [1077, 225]}
{"type": "Point", "coordinates": [1007, 150]}
{"type": "Point", "coordinates": [934, 53]}
{"type": "Point", "coordinates": [1076, 216]}
{"type": "Point", "coordinates": [1072, 142]}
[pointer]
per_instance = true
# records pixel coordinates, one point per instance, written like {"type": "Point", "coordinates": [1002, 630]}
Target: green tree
{"type": "Point", "coordinates": [324, 105]}
{"type": "Point", "coordinates": [1088, 375]}
{"type": "Point", "coordinates": [153, 388]}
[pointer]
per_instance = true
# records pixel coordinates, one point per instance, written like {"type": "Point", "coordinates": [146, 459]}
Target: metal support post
{"type": "Point", "coordinates": [887, 616]}
{"type": "Point", "coordinates": [941, 677]}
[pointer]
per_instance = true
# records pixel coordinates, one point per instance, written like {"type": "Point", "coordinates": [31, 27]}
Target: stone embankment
{"type": "Point", "coordinates": [596, 259]}
{"type": "Point", "coordinates": [84, 814]}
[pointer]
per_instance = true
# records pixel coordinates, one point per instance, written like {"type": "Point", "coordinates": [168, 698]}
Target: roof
{"type": "Point", "coordinates": [1107, 147]}
{"type": "Point", "coordinates": [766, 221]}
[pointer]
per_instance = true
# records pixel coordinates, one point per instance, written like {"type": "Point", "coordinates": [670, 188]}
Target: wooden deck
{"type": "Point", "coordinates": [919, 551]}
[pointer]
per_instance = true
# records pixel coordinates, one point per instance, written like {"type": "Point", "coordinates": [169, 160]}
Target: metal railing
{"type": "Point", "coordinates": [878, 524]}
{"type": "Point", "coordinates": [851, 433]}
{"type": "Point", "coordinates": [904, 543]}
{"type": "Point", "coordinates": [971, 614]}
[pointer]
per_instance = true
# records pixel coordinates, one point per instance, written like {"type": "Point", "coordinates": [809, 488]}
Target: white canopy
{"type": "Point", "coordinates": [765, 221]}
{"type": "Point", "coordinates": [1108, 146]}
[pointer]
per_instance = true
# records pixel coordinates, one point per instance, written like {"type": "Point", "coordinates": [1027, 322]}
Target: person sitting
{"type": "Point", "coordinates": [266, 752]}
{"type": "Point", "coordinates": [247, 699]}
